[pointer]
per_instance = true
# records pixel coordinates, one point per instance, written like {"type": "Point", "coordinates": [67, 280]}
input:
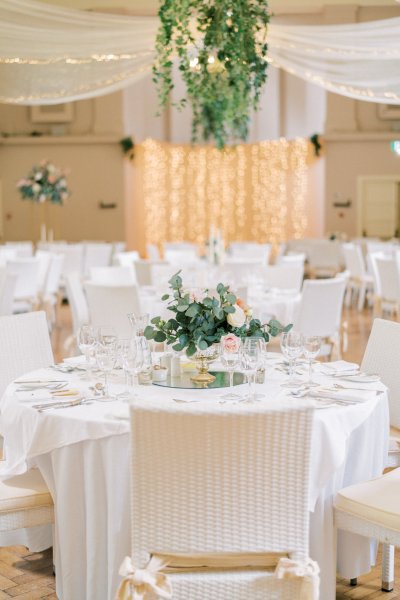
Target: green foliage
{"type": "Point", "coordinates": [221, 48]}
{"type": "Point", "coordinates": [44, 183]}
{"type": "Point", "coordinates": [200, 320]}
{"type": "Point", "coordinates": [128, 146]}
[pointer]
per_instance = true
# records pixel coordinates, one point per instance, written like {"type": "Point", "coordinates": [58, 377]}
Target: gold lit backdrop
{"type": "Point", "coordinates": [249, 191]}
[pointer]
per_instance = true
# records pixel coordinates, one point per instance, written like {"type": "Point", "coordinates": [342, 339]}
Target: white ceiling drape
{"type": "Point", "coordinates": [50, 54]}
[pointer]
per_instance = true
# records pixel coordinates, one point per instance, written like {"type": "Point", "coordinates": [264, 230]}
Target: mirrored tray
{"type": "Point", "coordinates": [184, 381]}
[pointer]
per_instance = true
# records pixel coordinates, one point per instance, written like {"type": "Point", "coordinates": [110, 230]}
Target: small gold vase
{"type": "Point", "coordinates": [204, 358]}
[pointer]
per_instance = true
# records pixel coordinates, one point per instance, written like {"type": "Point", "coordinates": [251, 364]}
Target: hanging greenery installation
{"type": "Point", "coordinates": [221, 49]}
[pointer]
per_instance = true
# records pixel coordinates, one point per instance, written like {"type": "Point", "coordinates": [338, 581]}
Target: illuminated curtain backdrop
{"type": "Point", "coordinates": [250, 191]}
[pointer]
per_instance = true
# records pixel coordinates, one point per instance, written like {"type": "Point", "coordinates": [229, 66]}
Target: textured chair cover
{"type": "Point", "coordinates": [27, 270]}
{"type": "Point", "coordinates": [109, 306]}
{"type": "Point", "coordinates": [24, 346]}
{"type": "Point", "coordinates": [118, 275]}
{"type": "Point", "coordinates": [77, 301]}
{"type": "Point", "coordinates": [8, 281]}
{"type": "Point", "coordinates": [96, 254]}
{"type": "Point", "coordinates": [320, 308]}
{"type": "Point", "coordinates": [284, 276]}
{"type": "Point", "coordinates": [209, 483]}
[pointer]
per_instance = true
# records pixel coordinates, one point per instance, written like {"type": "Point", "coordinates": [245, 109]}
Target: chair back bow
{"type": "Point", "coordinates": [307, 570]}
{"type": "Point", "coordinates": [140, 584]}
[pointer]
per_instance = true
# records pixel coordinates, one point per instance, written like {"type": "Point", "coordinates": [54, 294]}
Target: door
{"type": "Point", "coordinates": [379, 207]}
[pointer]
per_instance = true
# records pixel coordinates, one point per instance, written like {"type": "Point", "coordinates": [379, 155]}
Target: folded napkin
{"type": "Point", "coordinates": [339, 367]}
{"type": "Point", "coordinates": [344, 396]}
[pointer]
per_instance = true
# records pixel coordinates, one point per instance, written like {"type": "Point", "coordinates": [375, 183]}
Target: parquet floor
{"type": "Point", "coordinates": [28, 576]}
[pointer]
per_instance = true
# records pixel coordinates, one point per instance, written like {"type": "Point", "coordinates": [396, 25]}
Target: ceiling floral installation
{"type": "Point", "coordinates": [221, 50]}
{"type": "Point", "coordinates": [249, 191]}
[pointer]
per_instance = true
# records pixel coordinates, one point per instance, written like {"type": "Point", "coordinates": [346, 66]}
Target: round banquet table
{"type": "Point", "coordinates": [83, 455]}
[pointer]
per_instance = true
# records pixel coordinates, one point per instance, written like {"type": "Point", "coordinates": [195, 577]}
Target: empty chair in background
{"type": "Point", "coordinates": [285, 276]}
{"type": "Point", "coordinates": [360, 282]}
{"type": "Point", "coordinates": [320, 310]}
{"type": "Point", "coordinates": [126, 259]}
{"type": "Point", "coordinates": [51, 292]}
{"type": "Point", "coordinates": [250, 251]}
{"type": "Point", "coordinates": [117, 248]}
{"type": "Point", "coordinates": [73, 259]}
{"type": "Point", "coordinates": [96, 254]}
{"type": "Point", "coordinates": [44, 258]}
{"type": "Point", "coordinates": [27, 286]}
{"type": "Point", "coordinates": [387, 284]}
{"type": "Point", "coordinates": [324, 258]}
{"type": "Point", "coordinates": [8, 281]}
{"type": "Point", "coordinates": [77, 303]}
{"type": "Point", "coordinates": [291, 258]}
{"type": "Point", "coordinates": [6, 254]}
{"type": "Point", "coordinates": [121, 275]}
{"type": "Point", "coordinates": [22, 249]}
{"type": "Point", "coordinates": [388, 248]}
{"type": "Point", "coordinates": [109, 306]}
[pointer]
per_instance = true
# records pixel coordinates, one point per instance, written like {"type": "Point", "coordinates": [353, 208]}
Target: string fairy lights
{"type": "Point", "coordinates": [250, 191]}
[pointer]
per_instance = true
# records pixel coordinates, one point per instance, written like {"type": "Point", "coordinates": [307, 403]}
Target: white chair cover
{"type": "Point", "coordinates": [320, 309]}
{"type": "Point", "coordinates": [109, 306]}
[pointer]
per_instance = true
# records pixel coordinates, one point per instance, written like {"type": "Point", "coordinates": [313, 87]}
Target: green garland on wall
{"type": "Point", "coordinates": [221, 49]}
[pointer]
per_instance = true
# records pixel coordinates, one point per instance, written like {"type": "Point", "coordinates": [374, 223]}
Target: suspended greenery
{"type": "Point", "coordinates": [221, 49]}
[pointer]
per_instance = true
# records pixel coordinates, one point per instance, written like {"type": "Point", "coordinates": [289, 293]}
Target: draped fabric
{"type": "Point", "coordinates": [50, 54]}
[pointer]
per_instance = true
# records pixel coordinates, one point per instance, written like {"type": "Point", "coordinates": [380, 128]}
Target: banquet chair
{"type": "Point", "coordinates": [96, 254]}
{"type": "Point", "coordinates": [73, 258]}
{"type": "Point", "coordinates": [27, 286]}
{"type": "Point", "coordinates": [219, 500]}
{"type": "Point", "coordinates": [51, 291]}
{"type": "Point", "coordinates": [8, 281]}
{"type": "Point", "coordinates": [118, 275]}
{"type": "Point", "coordinates": [372, 509]}
{"type": "Point", "coordinates": [284, 276]}
{"type": "Point", "coordinates": [389, 285]}
{"type": "Point", "coordinates": [126, 259]}
{"type": "Point", "coordinates": [382, 356]}
{"type": "Point", "coordinates": [109, 306]}
{"type": "Point", "coordinates": [22, 249]}
{"type": "Point", "coordinates": [324, 258]}
{"type": "Point", "coordinates": [360, 281]}
{"type": "Point", "coordinates": [320, 310]}
{"type": "Point", "coordinates": [250, 250]}
{"type": "Point", "coordinates": [153, 252]}
{"type": "Point", "coordinates": [78, 305]}
{"type": "Point", "coordinates": [24, 346]}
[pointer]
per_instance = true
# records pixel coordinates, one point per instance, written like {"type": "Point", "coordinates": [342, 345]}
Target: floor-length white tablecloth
{"type": "Point", "coordinates": [83, 454]}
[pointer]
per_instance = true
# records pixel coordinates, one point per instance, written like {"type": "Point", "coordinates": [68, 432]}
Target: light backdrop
{"type": "Point", "coordinates": [250, 191]}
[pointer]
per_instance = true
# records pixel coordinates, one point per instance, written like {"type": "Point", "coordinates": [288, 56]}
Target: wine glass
{"type": "Point", "coordinates": [311, 349]}
{"type": "Point", "coordinates": [230, 354]}
{"type": "Point", "coordinates": [292, 348]}
{"type": "Point", "coordinates": [133, 361]}
{"type": "Point", "coordinates": [138, 322]}
{"type": "Point", "coordinates": [122, 349]}
{"type": "Point", "coordinates": [108, 336]}
{"type": "Point", "coordinates": [87, 338]}
{"type": "Point", "coordinates": [251, 360]}
{"type": "Point", "coordinates": [106, 358]}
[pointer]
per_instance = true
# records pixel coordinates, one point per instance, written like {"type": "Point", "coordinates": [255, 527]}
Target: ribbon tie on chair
{"type": "Point", "coordinates": [307, 570]}
{"type": "Point", "coordinates": [140, 584]}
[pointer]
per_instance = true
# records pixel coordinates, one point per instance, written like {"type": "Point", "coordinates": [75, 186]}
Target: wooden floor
{"type": "Point", "coordinates": [28, 576]}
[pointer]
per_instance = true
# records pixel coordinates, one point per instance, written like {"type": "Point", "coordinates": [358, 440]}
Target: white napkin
{"type": "Point", "coordinates": [344, 396]}
{"type": "Point", "coordinates": [339, 367]}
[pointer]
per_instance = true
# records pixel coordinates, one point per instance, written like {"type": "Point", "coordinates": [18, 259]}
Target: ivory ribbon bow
{"type": "Point", "coordinates": [308, 570]}
{"type": "Point", "coordinates": [139, 584]}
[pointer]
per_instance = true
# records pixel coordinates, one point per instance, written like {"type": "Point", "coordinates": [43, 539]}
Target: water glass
{"type": "Point", "coordinates": [133, 361]}
{"type": "Point", "coordinates": [106, 358]}
{"type": "Point", "coordinates": [86, 339]}
{"type": "Point", "coordinates": [251, 358]}
{"type": "Point", "coordinates": [311, 349]}
{"type": "Point", "coordinates": [292, 348]}
{"type": "Point", "coordinates": [230, 355]}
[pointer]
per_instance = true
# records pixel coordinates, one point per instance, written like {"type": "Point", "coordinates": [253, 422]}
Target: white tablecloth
{"type": "Point", "coordinates": [83, 454]}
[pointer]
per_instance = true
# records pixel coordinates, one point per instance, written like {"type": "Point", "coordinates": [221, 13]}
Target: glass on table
{"type": "Point", "coordinates": [106, 358]}
{"type": "Point", "coordinates": [133, 362]}
{"type": "Point", "coordinates": [311, 349]}
{"type": "Point", "coordinates": [87, 339]}
{"type": "Point", "coordinates": [108, 336]}
{"type": "Point", "coordinates": [138, 322]}
{"type": "Point", "coordinates": [292, 347]}
{"type": "Point", "coordinates": [251, 359]}
{"type": "Point", "coordinates": [122, 349]}
{"type": "Point", "coordinates": [230, 355]}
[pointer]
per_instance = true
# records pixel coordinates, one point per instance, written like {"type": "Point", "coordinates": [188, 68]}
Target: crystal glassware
{"type": "Point", "coordinates": [250, 360]}
{"type": "Point", "coordinates": [106, 358]}
{"type": "Point", "coordinates": [292, 348]}
{"type": "Point", "coordinates": [311, 349]}
{"type": "Point", "coordinates": [86, 339]}
{"type": "Point", "coordinates": [230, 355]}
{"type": "Point", "coordinates": [133, 361]}
{"type": "Point", "coordinates": [122, 348]}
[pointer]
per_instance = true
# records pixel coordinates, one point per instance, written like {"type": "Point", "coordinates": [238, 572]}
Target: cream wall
{"type": "Point", "coordinates": [89, 149]}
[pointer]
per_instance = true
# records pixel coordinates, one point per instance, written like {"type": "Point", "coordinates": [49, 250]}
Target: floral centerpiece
{"type": "Point", "coordinates": [201, 319]}
{"type": "Point", "coordinates": [45, 182]}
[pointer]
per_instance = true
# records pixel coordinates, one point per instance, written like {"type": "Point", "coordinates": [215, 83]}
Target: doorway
{"type": "Point", "coordinates": [379, 206]}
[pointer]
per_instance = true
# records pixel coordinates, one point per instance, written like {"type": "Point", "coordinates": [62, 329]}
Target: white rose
{"type": "Point", "coordinates": [238, 318]}
{"type": "Point", "coordinates": [36, 188]}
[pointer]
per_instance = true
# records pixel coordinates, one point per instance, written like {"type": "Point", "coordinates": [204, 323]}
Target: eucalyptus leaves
{"type": "Point", "coordinates": [221, 49]}
{"type": "Point", "coordinates": [201, 319]}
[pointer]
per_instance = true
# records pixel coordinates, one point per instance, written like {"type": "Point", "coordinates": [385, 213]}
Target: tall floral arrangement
{"type": "Point", "coordinates": [44, 183]}
{"type": "Point", "coordinates": [201, 319]}
{"type": "Point", "coordinates": [221, 49]}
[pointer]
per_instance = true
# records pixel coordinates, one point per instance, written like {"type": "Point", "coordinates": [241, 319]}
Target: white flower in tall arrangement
{"type": "Point", "coordinates": [45, 182]}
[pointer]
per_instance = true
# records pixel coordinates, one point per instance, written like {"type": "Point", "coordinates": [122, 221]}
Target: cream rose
{"type": "Point", "coordinates": [238, 318]}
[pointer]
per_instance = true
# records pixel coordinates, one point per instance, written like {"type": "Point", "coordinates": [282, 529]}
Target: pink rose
{"type": "Point", "coordinates": [230, 343]}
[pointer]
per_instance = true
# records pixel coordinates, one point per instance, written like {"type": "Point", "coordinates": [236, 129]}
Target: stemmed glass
{"type": "Point", "coordinates": [251, 360]}
{"type": "Point", "coordinates": [311, 349]}
{"type": "Point", "coordinates": [106, 358]}
{"type": "Point", "coordinates": [138, 322]}
{"type": "Point", "coordinates": [123, 348]}
{"type": "Point", "coordinates": [108, 336]}
{"type": "Point", "coordinates": [87, 338]}
{"type": "Point", "coordinates": [132, 361]}
{"type": "Point", "coordinates": [292, 348]}
{"type": "Point", "coordinates": [230, 354]}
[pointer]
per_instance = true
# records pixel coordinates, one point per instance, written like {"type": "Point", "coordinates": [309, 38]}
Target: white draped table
{"type": "Point", "coordinates": [83, 454]}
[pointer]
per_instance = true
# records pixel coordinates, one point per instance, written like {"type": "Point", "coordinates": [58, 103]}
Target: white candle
{"type": "Point", "coordinates": [43, 232]}
{"type": "Point", "coordinates": [51, 235]}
